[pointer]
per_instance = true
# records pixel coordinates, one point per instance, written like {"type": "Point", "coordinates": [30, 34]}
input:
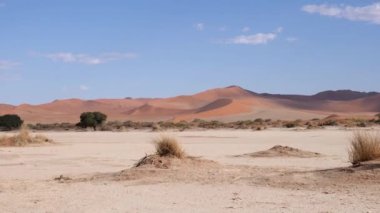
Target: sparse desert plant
{"type": "Point", "coordinates": [23, 138]}
{"type": "Point", "coordinates": [106, 128]}
{"type": "Point", "coordinates": [365, 146]}
{"type": "Point", "coordinates": [361, 124]}
{"type": "Point", "coordinates": [41, 139]}
{"type": "Point", "coordinates": [329, 122]}
{"type": "Point", "coordinates": [55, 126]}
{"type": "Point", "coordinates": [292, 124]}
{"type": "Point", "coordinates": [168, 147]}
{"type": "Point", "coordinates": [156, 127]}
{"type": "Point", "coordinates": [211, 124]}
{"type": "Point", "coordinates": [378, 118]}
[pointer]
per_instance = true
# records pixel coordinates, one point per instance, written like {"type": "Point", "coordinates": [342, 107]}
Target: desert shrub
{"type": "Point", "coordinates": [92, 119]}
{"type": "Point", "coordinates": [166, 124]}
{"type": "Point", "coordinates": [23, 138]}
{"type": "Point", "coordinates": [129, 124]}
{"type": "Point", "coordinates": [361, 124]}
{"type": "Point", "coordinates": [106, 128]}
{"type": "Point", "coordinates": [277, 123]}
{"type": "Point", "coordinates": [182, 125]}
{"type": "Point", "coordinates": [138, 125]}
{"type": "Point", "coordinates": [9, 122]}
{"type": "Point", "coordinates": [113, 125]}
{"type": "Point", "coordinates": [378, 118]}
{"type": "Point", "coordinates": [197, 120]}
{"type": "Point", "coordinates": [242, 124]}
{"type": "Point", "coordinates": [156, 128]}
{"type": "Point", "coordinates": [55, 126]}
{"type": "Point", "coordinates": [329, 122]}
{"type": "Point", "coordinates": [268, 120]}
{"type": "Point", "coordinates": [364, 146]}
{"type": "Point", "coordinates": [169, 147]}
{"type": "Point", "coordinates": [292, 124]}
{"type": "Point", "coordinates": [211, 124]}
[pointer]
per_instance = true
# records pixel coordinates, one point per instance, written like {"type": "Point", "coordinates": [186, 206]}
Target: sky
{"type": "Point", "coordinates": [59, 49]}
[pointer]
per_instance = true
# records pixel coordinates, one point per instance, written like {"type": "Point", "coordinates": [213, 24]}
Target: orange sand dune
{"type": "Point", "coordinates": [226, 104]}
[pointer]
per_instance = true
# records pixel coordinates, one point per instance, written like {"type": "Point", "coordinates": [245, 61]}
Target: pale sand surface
{"type": "Point", "coordinates": [233, 184]}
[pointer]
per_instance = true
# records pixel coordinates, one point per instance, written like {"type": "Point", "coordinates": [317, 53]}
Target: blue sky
{"type": "Point", "coordinates": [56, 49]}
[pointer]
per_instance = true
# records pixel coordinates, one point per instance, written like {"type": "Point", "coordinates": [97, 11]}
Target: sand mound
{"type": "Point", "coordinates": [153, 169]}
{"type": "Point", "coordinates": [156, 161]}
{"type": "Point", "coordinates": [169, 163]}
{"type": "Point", "coordinates": [282, 151]}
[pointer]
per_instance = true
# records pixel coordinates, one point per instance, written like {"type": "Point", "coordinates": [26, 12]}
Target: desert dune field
{"type": "Point", "coordinates": [229, 171]}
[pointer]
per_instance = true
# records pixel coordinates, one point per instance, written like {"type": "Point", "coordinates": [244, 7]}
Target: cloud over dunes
{"type": "Point", "coordinates": [259, 38]}
{"type": "Point", "coordinates": [369, 13]}
{"type": "Point", "coordinates": [199, 26]}
{"type": "Point", "coordinates": [83, 87]}
{"type": "Point", "coordinates": [255, 39]}
{"type": "Point", "coordinates": [81, 58]}
{"type": "Point", "coordinates": [5, 65]}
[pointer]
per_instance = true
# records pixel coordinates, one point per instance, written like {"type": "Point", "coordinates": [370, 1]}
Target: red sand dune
{"type": "Point", "coordinates": [227, 104]}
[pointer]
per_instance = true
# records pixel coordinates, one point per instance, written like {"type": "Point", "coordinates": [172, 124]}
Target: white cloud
{"type": "Point", "coordinates": [369, 13]}
{"type": "Point", "coordinates": [68, 57]}
{"type": "Point", "coordinates": [5, 65]}
{"type": "Point", "coordinates": [222, 29]}
{"type": "Point", "coordinates": [255, 39]}
{"type": "Point", "coordinates": [245, 29]}
{"type": "Point", "coordinates": [259, 38]}
{"type": "Point", "coordinates": [199, 26]}
{"type": "Point", "coordinates": [291, 39]}
{"type": "Point", "coordinates": [83, 88]}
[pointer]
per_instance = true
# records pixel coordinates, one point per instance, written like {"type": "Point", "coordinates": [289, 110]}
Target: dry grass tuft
{"type": "Point", "coordinates": [23, 138]}
{"type": "Point", "coordinates": [365, 146]}
{"type": "Point", "coordinates": [168, 150]}
{"type": "Point", "coordinates": [168, 147]}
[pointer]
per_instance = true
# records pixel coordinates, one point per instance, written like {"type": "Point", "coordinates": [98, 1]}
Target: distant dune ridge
{"type": "Point", "coordinates": [225, 104]}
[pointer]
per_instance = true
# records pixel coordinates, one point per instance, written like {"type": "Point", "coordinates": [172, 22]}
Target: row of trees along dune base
{"type": "Point", "coordinates": [87, 119]}
{"type": "Point", "coordinates": [97, 120]}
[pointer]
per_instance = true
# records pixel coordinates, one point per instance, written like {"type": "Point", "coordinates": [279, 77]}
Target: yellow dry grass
{"type": "Point", "coordinates": [23, 138]}
{"type": "Point", "coordinates": [167, 146]}
{"type": "Point", "coordinates": [365, 146]}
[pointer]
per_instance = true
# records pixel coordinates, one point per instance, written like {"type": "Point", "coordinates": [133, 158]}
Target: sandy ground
{"type": "Point", "coordinates": [235, 182]}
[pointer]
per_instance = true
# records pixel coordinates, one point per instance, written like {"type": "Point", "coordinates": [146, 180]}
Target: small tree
{"type": "Point", "coordinates": [10, 122]}
{"type": "Point", "coordinates": [92, 119]}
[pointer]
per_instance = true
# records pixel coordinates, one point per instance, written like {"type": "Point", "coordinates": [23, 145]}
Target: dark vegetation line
{"type": "Point", "coordinates": [97, 121]}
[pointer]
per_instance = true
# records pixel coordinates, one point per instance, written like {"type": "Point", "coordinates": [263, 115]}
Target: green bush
{"type": "Point", "coordinates": [92, 119]}
{"type": "Point", "coordinates": [9, 122]}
